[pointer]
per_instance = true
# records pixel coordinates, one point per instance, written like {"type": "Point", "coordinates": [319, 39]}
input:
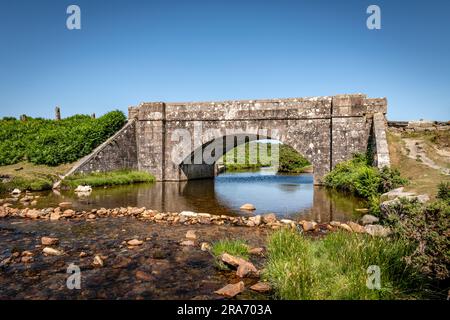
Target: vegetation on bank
{"type": "Point", "coordinates": [290, 161]}
{"type": "Point", "coordinates": [335, 267]}
{"type": "Point", "coordinates": [112, 178]}
{"type": "Point", "coordinates": [27, 176]}
{"type": "Point", "coordinates": [55, 142]}
{"type": "Point", "coordinates": [425, 227]}
{"type": "Point", "coordinates": [358, 177]}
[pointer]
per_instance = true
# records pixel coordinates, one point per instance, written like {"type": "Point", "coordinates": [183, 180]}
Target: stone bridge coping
{"type": "Point", "coordinates": [288, 108]}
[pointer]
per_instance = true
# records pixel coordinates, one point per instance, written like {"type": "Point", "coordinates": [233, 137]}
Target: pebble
{"type": "Point", "coordinates": [135, 242]}
{"type": "Point", "coordinates": [51, 252]}
{"type": "Point", "coordinates": [48, 241]}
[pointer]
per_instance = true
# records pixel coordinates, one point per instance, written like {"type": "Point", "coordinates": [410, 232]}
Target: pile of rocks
{"type": "Point", "coordinates": [64, 212]}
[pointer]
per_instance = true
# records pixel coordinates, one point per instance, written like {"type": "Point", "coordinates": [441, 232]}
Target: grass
{"type": "Point", "coordinates": [335, 267]}
{"type": "Point", "coordinates": [235, 247]}
{"type": "Point", "coordinates": [28, 176]}
{"type": "Point", "coordinates": [113, 178]}
{"type": "Point", "coordinates": [423, 179]}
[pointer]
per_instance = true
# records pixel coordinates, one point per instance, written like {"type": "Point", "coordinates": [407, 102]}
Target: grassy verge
{"type": "Point", "coordinates": [335, 267]}
{"type": "Point", "coordinates": [237, 248]}
{"type": "Point", "coordinates": [27, 176]}
{"type": "Point", "coordinates": [113, 178]}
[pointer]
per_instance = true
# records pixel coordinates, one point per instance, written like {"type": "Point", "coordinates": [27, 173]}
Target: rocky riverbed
{"type": "Point", "coordinates": [137, 253]}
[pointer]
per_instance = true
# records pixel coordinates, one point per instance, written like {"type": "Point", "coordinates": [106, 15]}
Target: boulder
{"type": "Point", "coordinates": [135, 242]}
{"type": "Point", "coordinates": [51, 252]}
{"type": "Point", "coordinates": [48, 241]}
{"type": "Point", "coordinates": [33, 214]}
{"type": "Point", "coordinates": [356, 227]}
{"type": "Point", "coordinates": [308, 225]}
{"type": "Point", "coordinates": [98, 261]}
{"type": "Point", "coordinates": [190, 234]}
{"type": "Point", "coordinates": [187, 243]}
{"type": "Point", "coordinates": [205, 246]}
{"type": "Point", "coordinates": [261, 287]}
{"type": "Point", "coordinates": [248, 206]}
{"type": "Point", "coordinates": [245, 269]}
{"type": "Point", "coordinates": [231, 290]}
{"type": "Point", "coordinates": [256, 251]}
{"type": "Point", "coordinates": [345, 227]}
{"type": "Point", "coordinates": [188, 214]}
{"type": "Point", "coordinates": [256, 220]}
{"type": "Point", "coordinates": [84, 189]}
{"type": "Point", "coordinates": [269, 218]}
{"type": "Point", "coordinates": [396, 193]}
{"type": "Point", "coordinates": [231, 260]}
{"type": "Point", "coordinates": [369, 219]}
{"type": "Point", "coordinates": [54, 216]}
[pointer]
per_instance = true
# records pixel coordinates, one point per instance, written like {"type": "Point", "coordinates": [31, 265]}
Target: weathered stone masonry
{"type": "Point", "coordinates": [327, 130]}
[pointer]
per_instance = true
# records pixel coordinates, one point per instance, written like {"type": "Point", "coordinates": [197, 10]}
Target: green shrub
{"type": "Point", "coordinates": [52, 142]}
{"type": "Point", "coordinates": [358, 177]}
{"type": "Point", "coordinates": [291, 161]}
{"type": "Point", "coordinates": [112, 178]}
{"type": "Point", "coordinates": [335, 267]}
{"type": "Point", "coordinates": [444, 191]}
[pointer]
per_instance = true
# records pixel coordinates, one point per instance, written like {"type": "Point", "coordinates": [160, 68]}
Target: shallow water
{"type": "Point", "coordinates": [290, 196]}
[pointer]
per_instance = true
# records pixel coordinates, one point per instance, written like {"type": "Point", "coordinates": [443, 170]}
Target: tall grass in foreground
{"type": "Point", "coordinates": [335, 267]}
{"type": "Point", "coordinates": [112, 178]}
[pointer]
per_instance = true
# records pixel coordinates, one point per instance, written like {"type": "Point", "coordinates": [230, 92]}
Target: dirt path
{"type": "Point", "coordinates": [415, 150]}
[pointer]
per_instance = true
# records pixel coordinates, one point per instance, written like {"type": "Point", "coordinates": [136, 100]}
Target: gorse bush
{"type": "Point", "coordinates": [444, 191]}
{"type": "Point", "coordinates": [52, 142]}
{"type": "Point", "coordinates": [335, 267]}
{"type": "Point", "coordinates": [358, 177]}
{"type": "Point", "coordinates": [426, 228]}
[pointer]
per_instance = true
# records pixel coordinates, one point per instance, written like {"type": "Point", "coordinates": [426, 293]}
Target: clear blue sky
{"type": "Point", "coordinates": [133, 51]}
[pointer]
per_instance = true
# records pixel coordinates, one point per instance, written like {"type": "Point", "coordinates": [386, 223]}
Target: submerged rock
{"type": "Point", "coordinates": [262, 287]}
{"type": "Point", "coordinates": [98, 261]}
{"type": "Point", "coordinates": [246, 269]}
{"type": "Point", "coordinates": [231, 290]}
{"type": "Point", "coordinates": [190, 234]}
{"type": "Point", "coordinates": [48, 241]}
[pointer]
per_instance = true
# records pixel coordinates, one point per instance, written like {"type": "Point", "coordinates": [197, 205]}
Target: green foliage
{"type": "Point", "coordinates": [444, 191]}
{"type": "Point", "coordinates": [237, 248]}
{"type": "Point", "coordinates": [426, 228]}
{"type": "Point", "coordinates": [52, 142]}
{"type": "Point", "coordinates": [290, 161]}
{"type": "Point", "coordinates": [335, 267]}
{"type": "Point", "coordinates": [112, 178]}
{"type": "Point", "coordinates": [35, 184]}
{"type": "Point", "coordinates": [358, 177]}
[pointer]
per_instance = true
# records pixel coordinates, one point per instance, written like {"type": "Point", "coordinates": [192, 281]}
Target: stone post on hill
{"type": "Point", "coordinates": [57, 113]}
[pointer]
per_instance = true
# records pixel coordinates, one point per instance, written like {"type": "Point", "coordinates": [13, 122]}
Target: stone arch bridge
{"type": "Point", "coordinates": [161, 138]}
